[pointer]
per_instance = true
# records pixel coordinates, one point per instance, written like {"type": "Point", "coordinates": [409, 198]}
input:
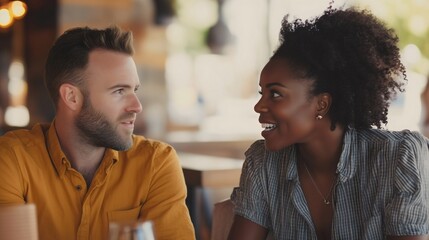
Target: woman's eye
{"type": "Point", "coordinates": [274, 94]}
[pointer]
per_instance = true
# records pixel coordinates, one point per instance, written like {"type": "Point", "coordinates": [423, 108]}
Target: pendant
{"type": "Point", "coordinates": [327, 202]}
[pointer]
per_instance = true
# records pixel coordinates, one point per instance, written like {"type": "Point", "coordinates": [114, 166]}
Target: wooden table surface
{"type": "Point", "coordinates": [210, 171]}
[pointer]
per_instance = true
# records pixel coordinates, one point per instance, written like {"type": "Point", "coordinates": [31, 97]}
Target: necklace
{"type": "Point", "coordinates": [325, 198]}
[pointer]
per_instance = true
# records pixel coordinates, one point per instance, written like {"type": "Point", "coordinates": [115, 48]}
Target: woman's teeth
{"type": "Point", "coordinates": [268, 126]}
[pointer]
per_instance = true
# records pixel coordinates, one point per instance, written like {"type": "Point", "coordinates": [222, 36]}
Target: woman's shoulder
{"type": "Point", "coordinates": [381, 135]}
{"type": "Point", "coordinates": [257, 147]}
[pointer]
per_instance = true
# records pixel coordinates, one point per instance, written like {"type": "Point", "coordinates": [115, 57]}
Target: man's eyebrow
{"type": "Point", "coordinates": [121, 86]}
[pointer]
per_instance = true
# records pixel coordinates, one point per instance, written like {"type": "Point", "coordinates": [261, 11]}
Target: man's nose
{"type": "Point", "coordinates": [134, 105]}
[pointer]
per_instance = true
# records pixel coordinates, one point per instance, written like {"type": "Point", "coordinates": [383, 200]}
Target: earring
{"type": "Point", "coordinates": [319, 117]}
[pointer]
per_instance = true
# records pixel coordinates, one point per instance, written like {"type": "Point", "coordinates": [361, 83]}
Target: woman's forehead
{"type": "Point", "coordinates": [280, 70]}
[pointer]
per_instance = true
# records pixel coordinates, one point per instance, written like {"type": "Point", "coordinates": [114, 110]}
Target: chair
{"type": "Point", "coordinates": [223, 216]}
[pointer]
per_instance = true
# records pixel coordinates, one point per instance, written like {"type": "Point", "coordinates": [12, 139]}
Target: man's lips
{"type": "Point", "coordinates": [128, 122]}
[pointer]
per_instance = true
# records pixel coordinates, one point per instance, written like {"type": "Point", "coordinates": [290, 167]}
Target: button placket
{"type": "Point", "coordinates": [77, 181]}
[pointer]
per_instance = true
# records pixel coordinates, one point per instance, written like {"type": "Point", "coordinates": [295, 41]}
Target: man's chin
{"type": "Point", "coordinates": [125, 144]}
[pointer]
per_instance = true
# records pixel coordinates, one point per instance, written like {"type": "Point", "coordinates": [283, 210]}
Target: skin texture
{"type": "Point", "coordinates": [111, 103]}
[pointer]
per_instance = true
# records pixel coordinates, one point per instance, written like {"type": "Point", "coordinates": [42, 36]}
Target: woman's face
{"type": "Point", "coordinates": [286, 110]}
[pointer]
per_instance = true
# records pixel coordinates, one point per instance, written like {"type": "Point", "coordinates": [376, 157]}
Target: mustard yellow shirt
{"type": "Point", "coordinates": [143, 183]}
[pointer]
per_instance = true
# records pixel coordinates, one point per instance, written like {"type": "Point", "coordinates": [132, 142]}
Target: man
{"type": "Point", "coordinates": [87, 169]}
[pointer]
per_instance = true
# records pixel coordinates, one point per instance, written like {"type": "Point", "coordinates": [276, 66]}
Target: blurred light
{"type": "Point", "coordinates": [183, 107]}
{"type": "Point", "coordinates": [17, 116]}
{"type": "Point", "coordinates": [5, 18]}
{"type": "Point", "coordinates": [176, 35]}
{"type": "Point", "coordinates": [418, 25]}
{"type": "Point", "coordinates": [16, 85]}
{"type": "Point", "coordinates": [199, 13]}
{"type": "Point", "coordinates": [16, 70]}
{"type": "Point", "coordinates": [10, 12]}
{"type": "Point", "coordinates": [18, 9]}
{"type": "Point", "coordinates": [411, 54]}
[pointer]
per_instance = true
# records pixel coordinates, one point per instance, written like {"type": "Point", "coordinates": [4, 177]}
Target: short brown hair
{"type": "Point", "coordinates": [69, 54]}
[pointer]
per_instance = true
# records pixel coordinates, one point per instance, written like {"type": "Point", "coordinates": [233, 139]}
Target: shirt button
{"type": "Point", "coordinates": [78, 187]}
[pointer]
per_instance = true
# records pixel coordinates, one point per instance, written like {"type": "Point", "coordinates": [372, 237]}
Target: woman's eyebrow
{"type": "Point", "coordinates": [268, 85]}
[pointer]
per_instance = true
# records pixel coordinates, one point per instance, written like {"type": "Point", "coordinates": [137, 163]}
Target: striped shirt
{"type": "Point", "coordinates": [382, 188]}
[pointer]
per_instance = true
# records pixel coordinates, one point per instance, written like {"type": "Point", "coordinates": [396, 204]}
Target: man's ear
{"type": "Point", "coordinates": [324, 102]}
{"type": "Point", "coordinates": [71, 96]}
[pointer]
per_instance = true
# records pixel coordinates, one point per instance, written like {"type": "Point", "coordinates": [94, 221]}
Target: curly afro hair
{"type": "Point", "coordinates": [351, 55]}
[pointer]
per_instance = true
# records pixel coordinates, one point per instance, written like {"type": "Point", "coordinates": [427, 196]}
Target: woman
{"type": "Point", "coordinates": [424, 98]}
{"type": "Point", "coordinates": [325, 169]}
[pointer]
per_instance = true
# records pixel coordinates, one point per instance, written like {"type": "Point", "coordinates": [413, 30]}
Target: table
{"type": "Point", "coordinates": [203, 171]}
{"type": "Point", "coordinates": [210, 171]}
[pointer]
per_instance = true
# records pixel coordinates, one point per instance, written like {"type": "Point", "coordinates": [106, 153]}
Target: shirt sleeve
{"type": "Point", "coordinates": [11, 181]}
{"type": "Point", "coordinates": [408, 212]}
{"type": "Point", "coordinates": [249, 199]}
{"type": "Point", "coordinates": [165, 204]}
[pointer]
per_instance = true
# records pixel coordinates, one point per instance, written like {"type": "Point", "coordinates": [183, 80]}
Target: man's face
{"type": "Point", "coordinates": [110, 103]}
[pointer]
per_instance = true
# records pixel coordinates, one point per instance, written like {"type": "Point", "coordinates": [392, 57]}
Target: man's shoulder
{"type": "Point", "coordinates": [141, 143]}
{"type": "Point", "coordinates": [150, 153]}
{"type": "Point", "coordinates": [24, 137]}
{"type": "Point", "coordinates": [140, 140]}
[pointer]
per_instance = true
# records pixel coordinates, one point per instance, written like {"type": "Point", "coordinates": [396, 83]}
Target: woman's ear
{"type": "Point", "coordinates": [71, 96]}
{"type": "Point", "coordinates": [324, 102]}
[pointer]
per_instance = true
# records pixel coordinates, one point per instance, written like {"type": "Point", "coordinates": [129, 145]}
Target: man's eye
{"type": "Point", "coordinates": [120, 91]}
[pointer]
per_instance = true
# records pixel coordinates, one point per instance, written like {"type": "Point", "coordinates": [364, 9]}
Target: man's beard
{"type": "Point", "coordinates": [98, 131]}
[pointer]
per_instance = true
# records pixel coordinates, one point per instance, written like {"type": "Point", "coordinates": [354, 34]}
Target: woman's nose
{"type": "Point", "coordinates": [260, 106]}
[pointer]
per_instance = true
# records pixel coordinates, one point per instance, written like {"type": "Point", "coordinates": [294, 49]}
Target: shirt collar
{"type": "Point", "coordinates": [292, 168]}
{"type": "Point", "coordinates": [110, 158]}
{"type": "Point", "coordinates": [347, 165]}
{"type": "Point", "coordinates": [58, 158]}
{"type": "Point", "coordinates": [60, 161]}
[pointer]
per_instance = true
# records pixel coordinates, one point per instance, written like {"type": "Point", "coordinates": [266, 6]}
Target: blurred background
{"type": "Point", "coordinates": [198, 61]}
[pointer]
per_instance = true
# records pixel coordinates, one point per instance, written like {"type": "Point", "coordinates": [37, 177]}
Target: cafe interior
{"type": "Point", "coordinates": [199, 63]}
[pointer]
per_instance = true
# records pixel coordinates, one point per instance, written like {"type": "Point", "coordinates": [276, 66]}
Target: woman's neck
{"type": "Point", "coordinates": [323, 152]}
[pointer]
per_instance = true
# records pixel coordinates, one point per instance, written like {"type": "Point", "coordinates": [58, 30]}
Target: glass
{"type": "Point", "coordinates": [18, 222]}
{"type": "Point", "coordinates": [131, 231]}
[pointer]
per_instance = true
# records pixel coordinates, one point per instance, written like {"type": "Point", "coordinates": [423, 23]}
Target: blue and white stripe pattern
{"type": "Point", "coordinates": [382, 188]}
